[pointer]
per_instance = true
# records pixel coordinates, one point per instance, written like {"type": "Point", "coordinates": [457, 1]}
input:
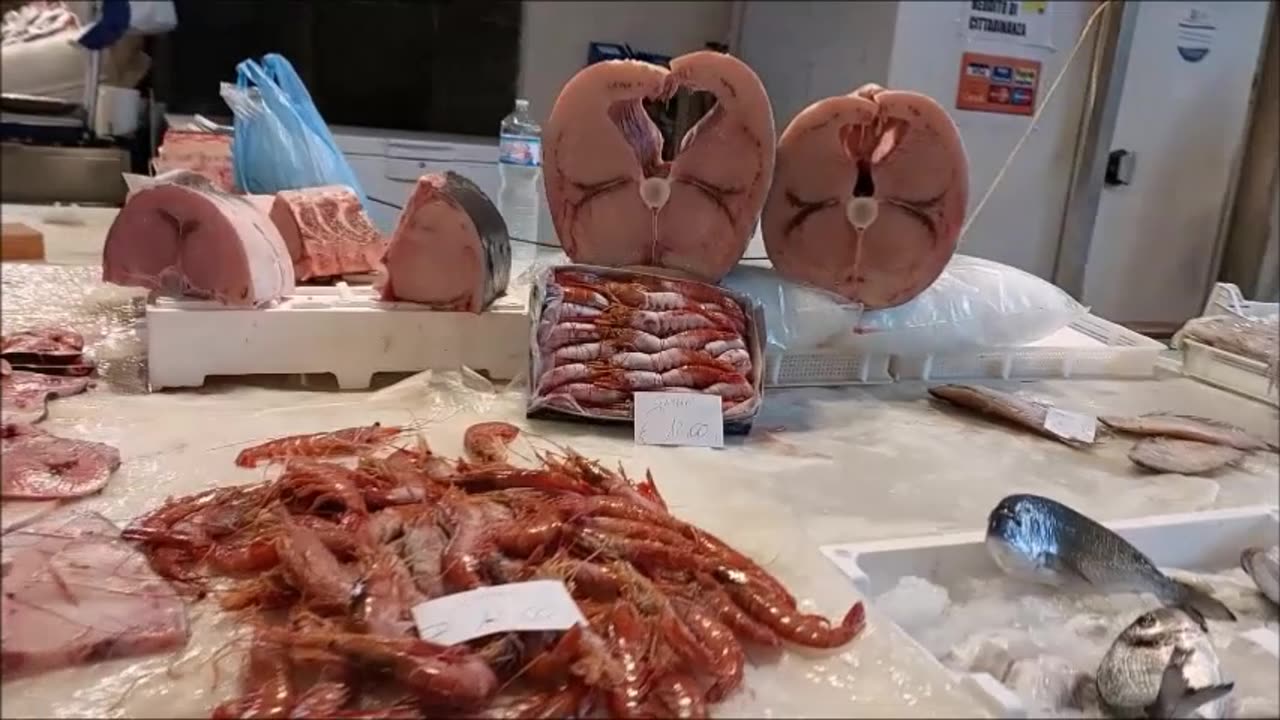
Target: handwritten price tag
{"type": "Point", "coordinates": [534, 605]}
{"type": "Point", "coordinates": [1072, 426]}
{"type": "Point", "coordinates": [678, 419]}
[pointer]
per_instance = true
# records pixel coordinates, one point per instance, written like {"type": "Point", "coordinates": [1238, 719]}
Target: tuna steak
{"type": "Point", "coordinates": [869, 197]}
{"type": "Point", "coordinates": [450, 249]}
{"type": "Point", "coordinates": [327, 232]}
{"type": "Point", "coordinates": [616, 203]}
{"type": "Point", "coordinates": [189, 239]}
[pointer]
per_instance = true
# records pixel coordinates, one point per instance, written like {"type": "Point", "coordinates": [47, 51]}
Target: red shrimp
{"type": "Point", "coordinates": [488, 441]}
{"type": "Point", "coordinates": [582, 577]}
{"type": "Point", "coordinates": [566, 374]}
{"type": "Point", "coordinates": [525, 537]}
{"type": "Point", "coordinates": [660, 323]}
{"type": "Point", "coordinates": [700, 376]}
{"type": "Point", "coordinates": [347, 441]}
{"type": "Point", "coordinates": [698, 339]}
{"type": "Point", "coordinates": [585, 352]}
{"type": "Point", "coordinates": [254, 556]}
{"type": "Point", "coordinates": [612, 483]}
{"type": "Point", "coordinates": [573, 312]}
{"type": "Point", "coordinates": [737, 359]}
{"type": "Point", "coordinates": [632, 645]}
{"type": "Point", "coordinates": [638, 530]}
{"type": "Point", "coordinates": [564, 334]}
{"type": "Point", "coordinates": [583, 295]}
{"type": "Point", "coordinates": [268, 692]}
{"type": "Point", "coordinates": [736, 389]}
{"type": "Point", "coordinates": [680, 695]}
{"type": "Point", "coordinates": [312, 568]}
{"type": "Point", "coordinates": [580, 652]}
{"type": "Point", "coordinates": [511, 477]}
{"type": "Point", "coordinates": [435, 674]}
{"type": "Point", "coordinates": [460, 567]}
{"type": "Point", "coordinates": [384, 596]}
{"type": "Point", "coordinates": [323, 483]}
{"type": "Point", "coordinates": [728, 658]}
{"type": "Point", "coordinates": [613, 506]}
{"type": "Point", "coordinates": [649, 489]}
{"type": "Point", "coordinates": [790, 624]}
{"type": "Point", "coordinates": [654, 603]}
{"type": "Point", "coordinates": [422, 546]}
{"type": "Point", "coordinates": [584, 393]}
{"type": "Point", "coordinates": [713, 597]}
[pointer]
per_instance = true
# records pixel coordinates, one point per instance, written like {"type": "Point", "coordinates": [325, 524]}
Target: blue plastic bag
{"type": "Point", "coordinates": [281, 142]}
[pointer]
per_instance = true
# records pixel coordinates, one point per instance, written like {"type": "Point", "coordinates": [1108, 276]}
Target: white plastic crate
{"type": "Point", "coordinates": [1089, 347]}
{"type": "Point", "coordinates": [1204, 541]}
{"type": "Point", "coordinates": [825, 368]}
{"type": "Point", "coordinates": [342, 330]}
{"type": "Point", "coordinates": [1224, 369]}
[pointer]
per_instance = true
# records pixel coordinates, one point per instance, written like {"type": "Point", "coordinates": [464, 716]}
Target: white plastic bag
{"type": "Point", "coordinates": [797, 317]}
{"type": "Point", "coordinates": [974, 304]}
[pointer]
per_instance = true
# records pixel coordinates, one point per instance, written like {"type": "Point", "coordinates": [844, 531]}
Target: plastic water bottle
{"type": "Point", "coordinates": [520, 171]}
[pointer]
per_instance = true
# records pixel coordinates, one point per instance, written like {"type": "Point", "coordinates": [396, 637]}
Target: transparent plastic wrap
{"type": "Point", "coordinates": [1254, 338]}
{"type": "Point", "coordinates": [799, 317]}
{"type": "Point", "coordinates": [599, 334]}
{"type": "Point", "coordinates": [974, 304]}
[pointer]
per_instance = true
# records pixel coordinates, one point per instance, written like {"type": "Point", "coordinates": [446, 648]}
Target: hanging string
{"type": "Point", "coordinates": [1035, 118]}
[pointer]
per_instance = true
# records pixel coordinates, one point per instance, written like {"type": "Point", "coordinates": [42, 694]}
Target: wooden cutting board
{"type": "Point", "coordinates": [21, 242]}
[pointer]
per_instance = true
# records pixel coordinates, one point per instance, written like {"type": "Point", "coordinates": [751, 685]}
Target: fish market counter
{"type": "Point", "coordinates": [820, 466]}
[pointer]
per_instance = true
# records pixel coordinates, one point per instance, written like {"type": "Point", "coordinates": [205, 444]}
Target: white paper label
{"type": "Point", "coordinates": [534, 605]}
{"type": "Point", "coordinates": [1072, 426]}
{"type": "Point", "coordinates": [688, 419]}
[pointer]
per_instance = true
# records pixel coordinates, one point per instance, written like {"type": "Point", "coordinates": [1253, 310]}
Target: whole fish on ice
{"type": "Point", "coordinates": [1189, 457]}
{"type": "Point", "coordinates": [1041, 540]}
{"type": "Point", "coordinates": [1163, 665]}
{"type": "Point", "coordinates": [1263, 565]}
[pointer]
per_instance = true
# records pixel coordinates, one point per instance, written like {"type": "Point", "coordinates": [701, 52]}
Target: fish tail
{"type": "Point", "coordinates": [1175, 699]}
{"type": "Point", "coordinates": [1199, 603]}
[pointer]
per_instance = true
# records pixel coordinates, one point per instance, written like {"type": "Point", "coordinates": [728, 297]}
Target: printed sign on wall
{"type": "Point", "coordinates": [1018, 22]}
{"type": "Point", "coordinates": [998, 84]}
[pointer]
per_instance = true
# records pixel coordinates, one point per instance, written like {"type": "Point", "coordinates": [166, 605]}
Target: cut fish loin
{"type": "Point", "coordinates": [869, 196]}
{"type": "Point", "coordinates": [615, 202]}
{"type": "Point", "coordinates": [47, 341]}
{"type": "Point", "coordinates": [450, 248]}
{"type": "Point", "coordinates": [40, 466]}
{"type": "Point", "coordinates": [75, 593]}
{"type": "Point", "coordinates": [189, 239]}
{"type": "Point", "coordinates": [327, 232]}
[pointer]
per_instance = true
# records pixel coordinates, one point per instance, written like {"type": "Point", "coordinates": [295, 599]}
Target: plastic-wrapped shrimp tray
{"type": "Point", "coordinates": [545, 292]}
{"type": "Point", "coordinates": [1198, 541]}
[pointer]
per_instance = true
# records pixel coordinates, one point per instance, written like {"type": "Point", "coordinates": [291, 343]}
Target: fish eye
{"type": "Point", "coordinates": [1146, 621]}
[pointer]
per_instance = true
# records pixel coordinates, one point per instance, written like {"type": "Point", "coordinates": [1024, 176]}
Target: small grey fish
{"type": "Point", "coordinates": [1164, 665]}
{"type": "Point", "coordinates": [1041, 540]}
{"type": "Point", "coordinates": [1187, 427]}
{"type": "Point", "coordinates": [1189, 457]}
{"type": "Point", "coordinates": [1019, 411]}
{"type": "Point", "coordinates": [1254, 338]}
{"type": "Point", "coordinates": [1264, 567]}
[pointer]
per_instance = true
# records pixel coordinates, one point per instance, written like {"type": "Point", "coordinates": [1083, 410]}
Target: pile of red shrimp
{"type": "Point", "coordinates": [605, 334]}
{"type": "Point", "coordinates": [326, 559]}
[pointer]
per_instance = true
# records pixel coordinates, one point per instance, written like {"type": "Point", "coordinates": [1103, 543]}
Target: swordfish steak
{"type": "Point", "coordinates": [327, 232]}
{"type": "Point", "coordinates": [613, 199]}
{"type": "Point", "coordinates": [450, 249]}
{"type": "Point", "coordinates": [75, 593]}
{"type": "Point", "coordinates": [869, 197]}
{"type": "Point", "coordinates": [185, 238]}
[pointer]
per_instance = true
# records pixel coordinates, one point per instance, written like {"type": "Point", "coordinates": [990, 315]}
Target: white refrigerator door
{"type": "Point", "coordinates": [1183, 114]}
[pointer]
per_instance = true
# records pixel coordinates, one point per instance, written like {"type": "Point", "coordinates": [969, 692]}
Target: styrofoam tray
{"type": "Point", "coordinates": [1223, 369]}
{"type": "Point", "coordinates": [1089, 347]}
{"type": "Point", "coordinates": [342, 330]}
{"type": "Point", "coordinates": [1200, 541]}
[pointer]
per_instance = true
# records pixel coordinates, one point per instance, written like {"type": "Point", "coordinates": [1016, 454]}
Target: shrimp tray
{"type": "Point", "coordinates": [1022, 649]}
{"type": "Point", "coordinates": [598, 335]}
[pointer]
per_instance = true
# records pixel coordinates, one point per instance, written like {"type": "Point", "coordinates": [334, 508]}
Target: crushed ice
{"type": "Point", "coordinates": [1045, 645]}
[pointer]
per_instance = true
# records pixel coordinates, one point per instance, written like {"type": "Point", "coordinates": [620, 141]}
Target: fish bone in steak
{"type": "Point", "coordinates": [190, 239]}
{"type": "Point", "coordinates": [616, 202]}
{"type": "Point", "coordinates": [450, 248]}
{"type": "Point", "coordinates": [75, 593]}
{"type": "Point", "coordinates": [40, 466]}
{"type": "Point", "coordinates": [869, 196]}
{"type": "Point", "coordinates": [327, 232]}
